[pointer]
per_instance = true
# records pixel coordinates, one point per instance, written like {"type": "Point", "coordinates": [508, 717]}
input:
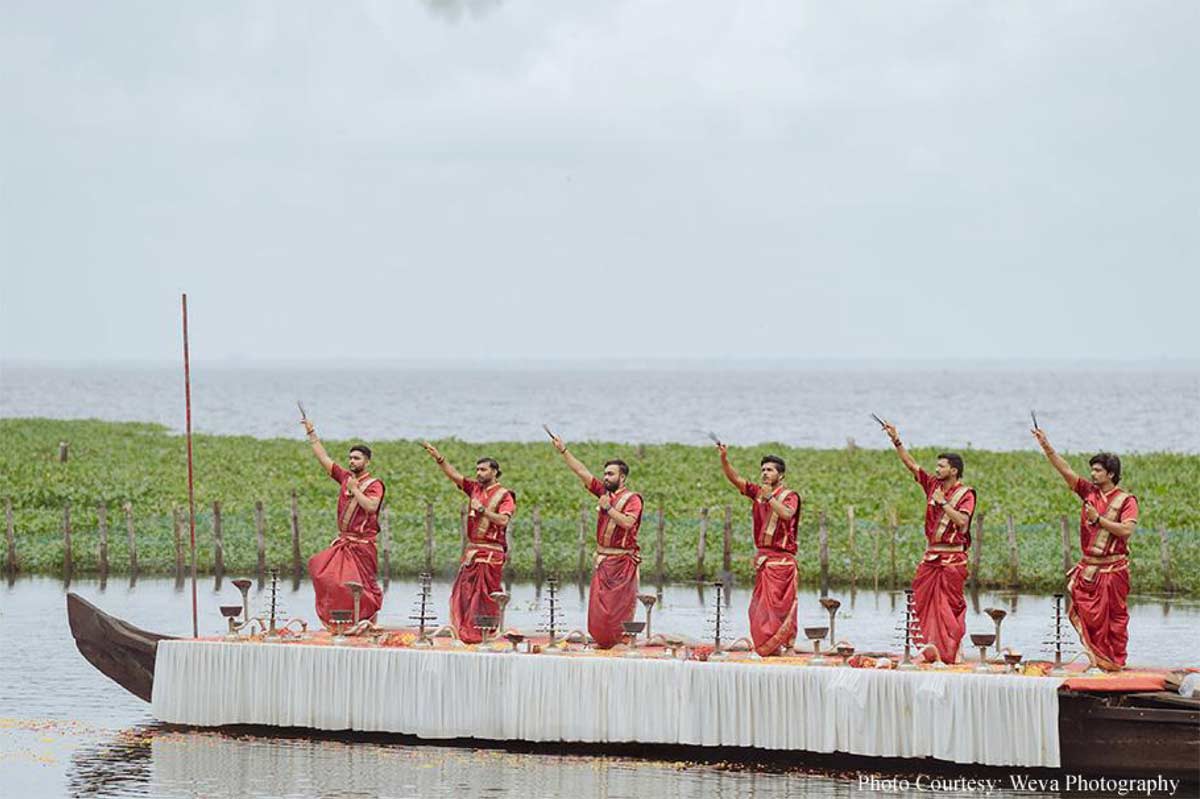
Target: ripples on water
{"type": "Point", "coordinates": [1138, 410]}
{"type": "Point", "coordinates": [65, 729]}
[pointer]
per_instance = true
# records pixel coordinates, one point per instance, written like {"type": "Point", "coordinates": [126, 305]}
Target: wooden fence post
{"type": "Point", "coordinates": [428, 537]}
{"type": "Point", "coordinates": [660, 545]}
{"type": "Point", "coordinates": [68, 563]}
{"type": "Point", "coordinates": [218, 544]}
{"type": "Point", "coordinates": [1066, 543]}
{"type": "Point", "coordinates": [10, 563]}
{"type": "Point", "coordinates": [385, 532]}
{"type": "Point", "coordinates": [64, 450]}
{"type": "Point", "coordinates": [727, 547]}
{"type": "Point", "coordinates": [295, 537]}
{"type": "Point", "coordinates": [583, 520]}
{"type": "Point", "coordinates": [823, 541]}
{"type": "Point", "coordinates": [102, 528]}
{"type": "Point", "coordinates": [976, 550]}
{"type": "Point", "coordinates": [537, 545]}
{"type": "Point", "coordinates": [133, 561]}
{"type": "Point", "coordinates": [875, 556]}
{"type": "Point", "coordinates": [853, 554]}
{"type": "Point", "coordinates": [1168, 583]}
{"type": "Point", "coordinates": [1014, 560]}
{"type": "Point", "coordinates": [701, 543]}
{"type": "Point", "coordinates": [260, 544]}
{"type": "Point", "coordinates": [177, 525]}
{"type": "Point", "coordinates": [893, 528]}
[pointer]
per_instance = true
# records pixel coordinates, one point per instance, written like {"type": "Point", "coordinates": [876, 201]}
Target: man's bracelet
{"type": "Point", "coordinates": [440, 461]}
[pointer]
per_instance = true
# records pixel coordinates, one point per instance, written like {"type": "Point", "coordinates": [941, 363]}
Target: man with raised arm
{"type": "Point", "coordinates": [775, 512]}
{"type": "Point", "coordinates": [351, 556]}
{"type": "Point", "coordinates": [482, 564]}
{"type": "Point", "coordinates": [1099, 583]}
{"type": "Point", "coordinates": [613, 597]}
{"type": "Point", "coordinates": [938, 584]}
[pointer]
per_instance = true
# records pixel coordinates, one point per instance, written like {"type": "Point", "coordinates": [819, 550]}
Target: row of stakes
{"type": "Point", "coordinates": [347, 622]}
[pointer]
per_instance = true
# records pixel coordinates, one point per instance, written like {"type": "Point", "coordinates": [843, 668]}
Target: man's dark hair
{"type": "Point", "coordinates": [363, 448]}
{"type": "Point", "coordinates": [775, 459]}
{"type": "Point", "coordinates": [1109, 463]}
{"type": "Point", "coordinates": [955, 460]}
{"type": "Point", "coordinates": [490, 462]}
{"type": "Point", "coordinates": [620, 464]}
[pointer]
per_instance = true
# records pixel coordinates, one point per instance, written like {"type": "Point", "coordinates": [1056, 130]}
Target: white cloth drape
{"type": "Point", "coordinates": [993, 719]}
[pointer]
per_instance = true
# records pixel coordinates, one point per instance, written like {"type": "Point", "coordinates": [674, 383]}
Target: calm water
{"type": "Point", "coordinates": [67, 730]}
{"type": "Point", "coordinates": [987, 407]}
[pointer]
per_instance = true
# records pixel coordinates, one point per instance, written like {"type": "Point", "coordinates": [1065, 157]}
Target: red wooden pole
{"type": "Point", "coordinates": [187, 392]}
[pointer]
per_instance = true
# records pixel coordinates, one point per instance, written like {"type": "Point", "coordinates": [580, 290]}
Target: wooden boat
{"type": "Point", "coordinates": [1130, 734]}
{"type": "Point", "coordinates": [123, 653]}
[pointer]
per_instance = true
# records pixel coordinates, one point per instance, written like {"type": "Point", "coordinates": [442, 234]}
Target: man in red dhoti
{"type": "Point", "coordinates": [938, 583]}
{"type": "Point", "coordinates": [482, 564]}
{"type": "Point", "coordinates": [613, 597]}
{"type": "Point", "coordinates": [1099, 583]}
{"type": "Point", "coordinates": [776, 515]}
{"type": "Point", "coordinates": [351, 557]}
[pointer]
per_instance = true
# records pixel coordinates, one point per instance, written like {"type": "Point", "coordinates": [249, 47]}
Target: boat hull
{"type": "Point", "coordinates": [123, 653]}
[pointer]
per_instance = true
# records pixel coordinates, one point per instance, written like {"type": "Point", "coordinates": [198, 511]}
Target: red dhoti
{"type": "Point", "coordinates": [478, 576]}
{"type": "Point", "coordinates": [773, 604]}
{"type": "Point", "coordinates": [348, 558]}
{"type": "Point", "coordinates": [351, 556]}
{"type": "Point", "coordinates": [1099, 584]}
{"type": "Point", "coordinates": [940, 605]}
{"type": "Point", "coordinates": [1098, 588]}
{"type": "Point", "coordinates": [613, 597]}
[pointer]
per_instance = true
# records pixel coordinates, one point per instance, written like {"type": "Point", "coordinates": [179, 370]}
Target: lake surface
{"type": "Point", "coordinates": [1124, 409]}
{"type": "Point", "coordinates": [65, 729]}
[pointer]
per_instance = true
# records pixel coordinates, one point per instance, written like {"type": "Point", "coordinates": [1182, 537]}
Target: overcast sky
{"type": "Point", "coordinates": [579, 179]}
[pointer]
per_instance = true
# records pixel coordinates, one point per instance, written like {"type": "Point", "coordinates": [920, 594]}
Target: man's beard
{"type": "Point", "coordinates": [356, 469]}
{"type": "Point", "coordinates": [611, 487]}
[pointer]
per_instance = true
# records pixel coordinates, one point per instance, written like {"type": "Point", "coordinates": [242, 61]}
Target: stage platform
{"type": "Point", "coordinates": [780, 704]}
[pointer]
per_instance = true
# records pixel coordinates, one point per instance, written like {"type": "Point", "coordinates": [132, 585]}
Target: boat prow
{"type": "Point", "coordinates": [123, 653]}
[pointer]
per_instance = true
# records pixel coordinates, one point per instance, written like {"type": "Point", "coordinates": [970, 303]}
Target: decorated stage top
{"type": "Point", "coordinates": [512, 642]}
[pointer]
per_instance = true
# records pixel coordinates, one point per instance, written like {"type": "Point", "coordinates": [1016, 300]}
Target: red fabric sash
{"type": "Point", "coordinates": [773, 604]}
{"type": "Point", "coordinates": [346, 559]}
{"type": "Point", "coordinates": [941, 608]}
{"type": "Point", "coordinates": [613, 598]}
{"type": "Point", "coordinates": [469, 597]}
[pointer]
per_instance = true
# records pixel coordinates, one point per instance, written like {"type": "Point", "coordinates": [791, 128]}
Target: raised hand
{"type": "Point", "coordinates": [1040, 435]}
{"type": "Point", "coordinates": [724, 450]}
{"type": "Point", "coordinates": [891, 431]}
{"type": "Point", "coordinates": [558, 443]}
{"type": "Point", "coordinates": [433, 451]}
{"type": "Point", "coordinates": [308, 427]}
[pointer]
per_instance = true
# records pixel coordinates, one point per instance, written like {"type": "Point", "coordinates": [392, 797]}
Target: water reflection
{"type": "Point", "coordinates": [118, 766]}
{"type": "Point", "coordinates": [153, 760]}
